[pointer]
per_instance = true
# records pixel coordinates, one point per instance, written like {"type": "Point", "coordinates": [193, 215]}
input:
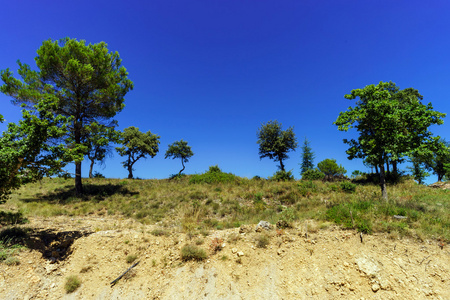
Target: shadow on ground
{"type": "Point", "coordinates": [54, 245]}
{"type": "Point", "coordinates": [91, 192]}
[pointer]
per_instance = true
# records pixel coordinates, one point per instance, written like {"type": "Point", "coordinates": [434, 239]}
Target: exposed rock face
{"type": "Point", "coordinates": [263, 225]}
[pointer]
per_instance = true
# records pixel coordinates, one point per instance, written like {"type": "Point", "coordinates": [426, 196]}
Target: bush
{"type": "Point", "coordinates": [214, 175]}
{"type": "Point", "coordinates": [314, 174]}
{"type": "Point", "coordinates": [282, 176]}
{"type": "Point", "coordinates": [98, 175]}
{"type": "Point", "coordinates": [192, 252]}
{"type": "Point", "coordinates": [348, 187]}
{"type": "Point", "coordinates": [262, 241]}
{"type": "Point", "coordinates": [330, 168]}
{"type": "Point", "coordinates": [72, 283]}
{"type": "Point", "coordinates": [131, 258]}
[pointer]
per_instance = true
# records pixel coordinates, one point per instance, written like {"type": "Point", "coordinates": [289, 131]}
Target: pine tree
{"type": "Point", "coordinates": [307, 157]}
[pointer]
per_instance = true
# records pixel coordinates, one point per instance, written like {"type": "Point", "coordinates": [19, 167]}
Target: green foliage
{"type": "Point", "coordinates": [131, 258]}
{"type": "Point", "coordinates": [98, 175]}
{"type": "Point", "coordinates": [313, 174]}
{"type": "Point", "coordinates": [213, 175]}
{"type": "Point", "coordinates": [275, 143]}
{"type": "Point", "coordinates": [348, 187]}
{"type": "Point", "coordinates": [282, 175]}
{"type": "Point", "coordinates": [72, 284]}
{"type": "Point", "coordinates": [351, 215]}
{"type": "Point", "coordinates": [330, 168]}
{"type": "Point", "coordinates": [86, 82]}
{"type": "Point", "coordinates": [25, 154]}
{"type": "Point", "coordinates": [288, 216]}
{"type": "Point", "coordinates": [433, 156]}
{"type": "Point", "coordinates": [180, 149]}
{"type": "Point", "coordinates": [136, 145]}
{"type": "Point", "coordinates": [391, 123]}
{"type": "Point", "coordinates": [357, 173]}
{"type": "Point", "coordinates": [193, 252]}
{"type": "Point", "coordinates": [307, 158]}
{"type": "Point", "coordinates": [418, 171]}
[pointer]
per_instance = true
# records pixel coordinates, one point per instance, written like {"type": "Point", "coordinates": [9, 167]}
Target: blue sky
{"type": "Point", "coordinates": [210, 72]}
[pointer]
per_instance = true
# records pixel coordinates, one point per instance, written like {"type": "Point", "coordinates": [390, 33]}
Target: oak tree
{"type": "Point", "coordinates": [180, 149]}
{"type": "Point", "coordinates": [391, 123]}
{"type": "Point", "coordinates": [275, 143]}
{"type": "Point", "coordinates": [136, 145]}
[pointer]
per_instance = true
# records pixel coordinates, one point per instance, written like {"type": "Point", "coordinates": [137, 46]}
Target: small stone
{"type": "Point", "coordinates": [234, 250]}
{"type": "Point", "coordinates": [375, 287]}
{"type": "Point", "coordinates": [223, 245]}
{"type": "Point", "coordinates": [279, 251]}
{"type": "Point", "coordinates": [240, 253]}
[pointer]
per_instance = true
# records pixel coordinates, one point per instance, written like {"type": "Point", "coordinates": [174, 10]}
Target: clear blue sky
{"type": "Point", "coordinates": [210, 72]}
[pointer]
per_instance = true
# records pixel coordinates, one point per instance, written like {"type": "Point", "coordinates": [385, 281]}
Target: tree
{"type": "Point", "coordinates": [26, 153]}
{"type": "Point", "coordinates": [417, 170]}
{"type": "Point", "coordinates": [275, 143]}
{"type": "Point", "coordinates": [180, 149]}
{"type": "Point", "coordinates": [391, 123]}
{"type": "Point", "coordinates": [89, 82]}
{"type": "Point", "coordinates": [330, 168]}
{"type": "Point", "coordinates": [307, 157]}
{"type": "Point", "coordinates": [434, 156]}
{"type": "Point", "coordinates": [136, 145]}
{"type": "Point", "coordinates": [98, 143]}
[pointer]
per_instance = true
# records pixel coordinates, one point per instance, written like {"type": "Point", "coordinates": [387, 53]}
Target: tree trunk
{"type": "Point", "coordinates": [182, 163]}
{"type": "Point", "coordinates": [376, 169]}
{"type": "Point", "coordinates": [91, 167]}
{"type": "Point", "coordinates": [383, 182]}
{"type": "Point", "coordinates": [78, 184]}
{"type": "Point", "coordinates": [394, 167]}
{"type": "Point", "coordinates": [281, 164]}
{"type": "Point", "coordinates": [130, 172]}
{"type": "Point", "coordinates": [387, 166]}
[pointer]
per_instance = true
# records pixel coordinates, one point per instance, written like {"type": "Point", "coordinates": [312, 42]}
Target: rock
{"type": "Point", "coordinates": [234, 250]}
{"type": "Point", "coordinates": [367, 266]}
{"type": "Point", "coordinates": [263, 225]}
{"type": "Point", "coordinates": [245, 229]}
{"type": "Point", "coordinates": [240, 253]}
{"type": "Point", "coordinates": [375, 287]}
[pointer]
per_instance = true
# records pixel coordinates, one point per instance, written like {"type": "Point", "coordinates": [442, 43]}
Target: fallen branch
{"type": "Point", "coordinates": [118, 278]}
{"type": "Point", "coordinates": [424, 259]}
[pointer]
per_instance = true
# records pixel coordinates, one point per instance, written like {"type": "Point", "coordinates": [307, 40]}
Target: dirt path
{"type": "Point", "coordinates": [329, 264]}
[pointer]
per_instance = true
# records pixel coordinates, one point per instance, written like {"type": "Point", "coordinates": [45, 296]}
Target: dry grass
{"type": "Point", "coordinates": [198, 208]}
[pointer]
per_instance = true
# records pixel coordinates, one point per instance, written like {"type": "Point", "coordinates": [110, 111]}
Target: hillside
{"type": "Point", "coordinates": [121, 222]}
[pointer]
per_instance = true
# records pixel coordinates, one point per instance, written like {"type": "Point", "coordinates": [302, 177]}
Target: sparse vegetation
{"type": "Point", "coordinates": [72, 283]}
{"type": "Point", "coordinates": [131, 258]}
{"type": "Point", "coordinates": [193, 252]}
{"type": "Point", "coordinates": [262, 240]}
{"type": "Point", "coordinates": [221, 205]}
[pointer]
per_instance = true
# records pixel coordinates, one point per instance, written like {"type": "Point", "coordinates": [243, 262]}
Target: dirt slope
{"type": "Point", "coordinates": [329, 264]}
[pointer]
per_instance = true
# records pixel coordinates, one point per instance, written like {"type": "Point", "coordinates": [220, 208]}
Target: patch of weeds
{"type": "Point", "coordinates": [216, 245]}
{"type": "Point", "coordinates": [193, 252]}
{"type": "Point", "coordinates": [72, 283]}
{"type": "Point", "coordinates": [262, 241]}
{"type": "Point", "coordinates": [348, 187]}
{"type": "Point", "coordinates": [224, 258]}
{"type": "Point", "coordinates": [127, 242]}
{"type": "Point", "coordinates": [159, 232]}
{"type": "Point", "coordinates": [153, 262]}
{"type": "Point", "coordinates": [199, 242]}
{"type": "Point", "coordinates": [131, 258]}
{"type": "Point", "coordinates": [11, 261]}
{"type": "Point", "coordinates": [234, 237]}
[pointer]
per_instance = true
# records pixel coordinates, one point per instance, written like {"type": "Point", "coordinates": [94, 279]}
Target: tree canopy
{"type": "Point", "coordinates": [180, 149]}
{"type": "Point", "coordinates": [136, 145]}
{"type": "Point", "coordinates": [89, 82]}
{"type": "Point", "coordinates": [391, 123]}
{"type": "Point", "coordinates": [275, 143]}
{"type": "Point", "coordinates": [307, 157]}
{"type": "Point", "coordinates": [25, 152]}
{"type": "Point", "coordinates": [330, 168]}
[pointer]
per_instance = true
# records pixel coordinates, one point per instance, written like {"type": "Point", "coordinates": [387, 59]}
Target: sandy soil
{"type": "Point", "coordinates": [327, 264]}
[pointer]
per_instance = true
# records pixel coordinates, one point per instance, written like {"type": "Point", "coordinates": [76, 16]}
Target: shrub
{"type": "Point", "coordinates": [282, 176]}
{"type": "Point", "coordinates": [131, 258]}
{"type": "Point", "coordinates": [213, 175]}
{"type": "Point", "coordinates": [314, 174]}
{"type": "Point", "coordinates": [262, 241]}
{"type": "Point", "coordinates": [287, 216]}
{"type": "Point", "coordinates": [348, 187]}
{"type": "Point", "coordinates": [331, 169]}
{"type": "Point", "coordinates": [159, 232]}
{"type": "Point", "coordinates": [72, 283]}
{"type": "Point", "coordinates": [216, 245]}
{"type": "Point", "coordinates": [98, 175]}
{"type": "Point", "coordinates": [192, 252]}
